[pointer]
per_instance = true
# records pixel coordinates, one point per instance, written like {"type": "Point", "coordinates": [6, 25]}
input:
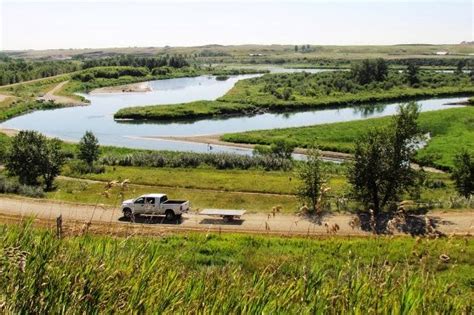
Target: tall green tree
{"type": "Point", "coordinates": [26, 156]}
{"type": "Point", "coordinates": [52, 162]}
{"type": "Point", "coordinates": [32, 156]}
{"type": "Point", "coordinates": [381, 171]}
{"type": "Point", "coordinates": [463, 173]}
{"type": "Point", "coordinates": [312, 181]}
{"type": "Point", "coordinates": [412, 73]}
{"type": "Point", "coordinates": [89, 149]}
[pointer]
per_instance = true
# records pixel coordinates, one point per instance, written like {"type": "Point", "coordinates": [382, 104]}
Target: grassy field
{"type": "Point", "coordinates": [210, 273]}
{"type": "Point", "coordinates": [275, 53]}
{"type": "Point", "coordinates": [254, 189]}
{"type": "Point", "coordinates": [450, 130]}
{"type": "Point", "coordinates": [300, 91]}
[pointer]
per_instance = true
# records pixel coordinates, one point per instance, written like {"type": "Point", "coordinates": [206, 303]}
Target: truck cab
{"type": "Point", "coordinates": [154, 204]}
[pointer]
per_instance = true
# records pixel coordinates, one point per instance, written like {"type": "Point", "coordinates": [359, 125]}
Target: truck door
{"type": "Point", "coordinates": [139, 205]}
{"type": "Point", "coordinates": [150, 205]}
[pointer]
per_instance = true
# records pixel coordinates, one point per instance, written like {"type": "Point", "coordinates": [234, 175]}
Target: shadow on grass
{"type": "Point", "coordinates": [142, 219]}
{"type": "Point", "coordinates": [222, 221]}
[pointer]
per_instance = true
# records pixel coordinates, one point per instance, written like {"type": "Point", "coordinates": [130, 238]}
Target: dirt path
{"type": "Point", "coordinates": [448, 222]}
{"type": "Point", "coordinates": [59, 99]}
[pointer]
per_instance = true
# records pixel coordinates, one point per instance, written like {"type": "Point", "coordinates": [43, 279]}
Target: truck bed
{"type": "Point", "coordinates": [222, 212]}
{"type": "Point", "coordinates": [172, 202]}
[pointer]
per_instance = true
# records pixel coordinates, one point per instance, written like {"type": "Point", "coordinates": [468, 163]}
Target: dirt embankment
{"type": "Point", "coordinates": [127, 88]}
{"type": "Point", "coordinates": [109, 218]}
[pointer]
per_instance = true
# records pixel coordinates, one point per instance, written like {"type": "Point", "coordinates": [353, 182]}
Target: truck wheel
{"type": "Point", "coordinates": [127, 212]}
{"type": "Point", "coordinates": [169, 215]}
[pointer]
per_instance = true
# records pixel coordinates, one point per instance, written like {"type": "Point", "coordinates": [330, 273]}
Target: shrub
{"type": "Point", "coordinates": [192, 160]}
{"type": "Point", "coordinates": [80, 167]}
{"type": "Point", "coordinates": [12, 186]}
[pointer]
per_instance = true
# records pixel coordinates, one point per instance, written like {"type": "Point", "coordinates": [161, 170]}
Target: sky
{"type": "Point", "coordinates": [125, 23]}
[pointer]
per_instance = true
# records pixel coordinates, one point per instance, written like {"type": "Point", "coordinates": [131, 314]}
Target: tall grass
{"type": "Point", "coordinates": [197, 273]}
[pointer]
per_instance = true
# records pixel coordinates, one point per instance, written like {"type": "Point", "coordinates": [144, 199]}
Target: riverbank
{"type": "Point", "coordinates": [216, 139]}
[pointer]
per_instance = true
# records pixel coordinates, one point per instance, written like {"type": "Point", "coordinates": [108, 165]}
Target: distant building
{"type": "Point", "coordinates": [441, 53]}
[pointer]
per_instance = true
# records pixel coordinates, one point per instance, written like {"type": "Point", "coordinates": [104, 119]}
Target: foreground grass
{"type": "Point", "coordinates": [232, 274]}
{"type": "Point", "coordinates": [450, 129]}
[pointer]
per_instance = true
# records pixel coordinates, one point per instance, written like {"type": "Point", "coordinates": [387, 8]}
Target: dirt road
{"type": "Point", "coordinates": [58, 99]}
{"type": "Point", "coordinates": [446, 222]}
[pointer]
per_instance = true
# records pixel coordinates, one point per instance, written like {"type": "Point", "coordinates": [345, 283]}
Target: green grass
{"type": "Point", "coordinates": [194, 110]}
{"type": "Point", "coordinates": [450, 130]}
{"type": "Point", "coordinates": [232, 274]}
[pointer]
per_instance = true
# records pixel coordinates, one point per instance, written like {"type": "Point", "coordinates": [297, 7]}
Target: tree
{"type": "Point", "coordinates": [381, 69]}
{"type": "Point", "coordinates": [459, 67]}
{"type": "Point", "coordinates": [52, 162]}
{"type": "Point", "coordinates": [412, 74]}
{"type": "Point", "coordinates": [369, 70]}
{"type": "Point", "coordinates": [381, 170]}
{"type": "Point", "coordinates": [463, 173]}
{"type": "Point", "coordinates": [296, 48]}
{"type": "Point", "coordinates": [26, 156]}
{"type": "Point", "coordinates": [32, 155]}
{"type": "Point", "coordinates": [312, 179]}
{"type": "Point", "coordinates": [89, 149]}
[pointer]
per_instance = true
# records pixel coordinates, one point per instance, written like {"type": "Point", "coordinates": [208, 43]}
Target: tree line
{"type": "Point", "coordinates": [174, 61]}
{"type": "Point", "coordinates": [14, 70]}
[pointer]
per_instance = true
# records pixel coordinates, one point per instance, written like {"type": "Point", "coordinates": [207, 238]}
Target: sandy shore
{"type": "Point", "coordinates": [9, 131]}
{"type": "Point", "coordinates": [127, 88]}
{"type": "Point", "coordinates": [3, 97]}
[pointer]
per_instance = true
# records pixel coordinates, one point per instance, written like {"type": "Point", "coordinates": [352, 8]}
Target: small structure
{"type": "Point", "coordinates": [442, 53]}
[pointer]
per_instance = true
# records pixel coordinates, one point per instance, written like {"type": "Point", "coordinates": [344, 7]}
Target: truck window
{"type": "Point", "coordinates": [150, 201]}
{"type": "Point", "coordinates": [163, 199]}
{"type": "Point", "coordinates": [140, 200]}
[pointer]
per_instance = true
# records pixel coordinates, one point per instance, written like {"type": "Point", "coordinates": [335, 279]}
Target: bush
{"type": "Point", "coordinates": [193, 160]}
{"type": "Point", "coordinates": [81, 167]}
{"type": "Point", "coordinates": [12, 186]}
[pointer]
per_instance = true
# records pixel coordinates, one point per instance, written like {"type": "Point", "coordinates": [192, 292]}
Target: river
{"type": "Point", "coordinates": [72, 122]}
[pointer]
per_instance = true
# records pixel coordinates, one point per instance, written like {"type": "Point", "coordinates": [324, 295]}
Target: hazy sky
{"type": "Point", "coordinates": [80, 24]}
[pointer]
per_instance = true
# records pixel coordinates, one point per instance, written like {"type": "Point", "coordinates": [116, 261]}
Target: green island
{"type": "Point", "coordinates": [368, 82]}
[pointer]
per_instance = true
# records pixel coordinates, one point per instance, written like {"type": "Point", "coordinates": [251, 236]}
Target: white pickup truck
{"type": "Point", "coordinates": [154, 204]}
